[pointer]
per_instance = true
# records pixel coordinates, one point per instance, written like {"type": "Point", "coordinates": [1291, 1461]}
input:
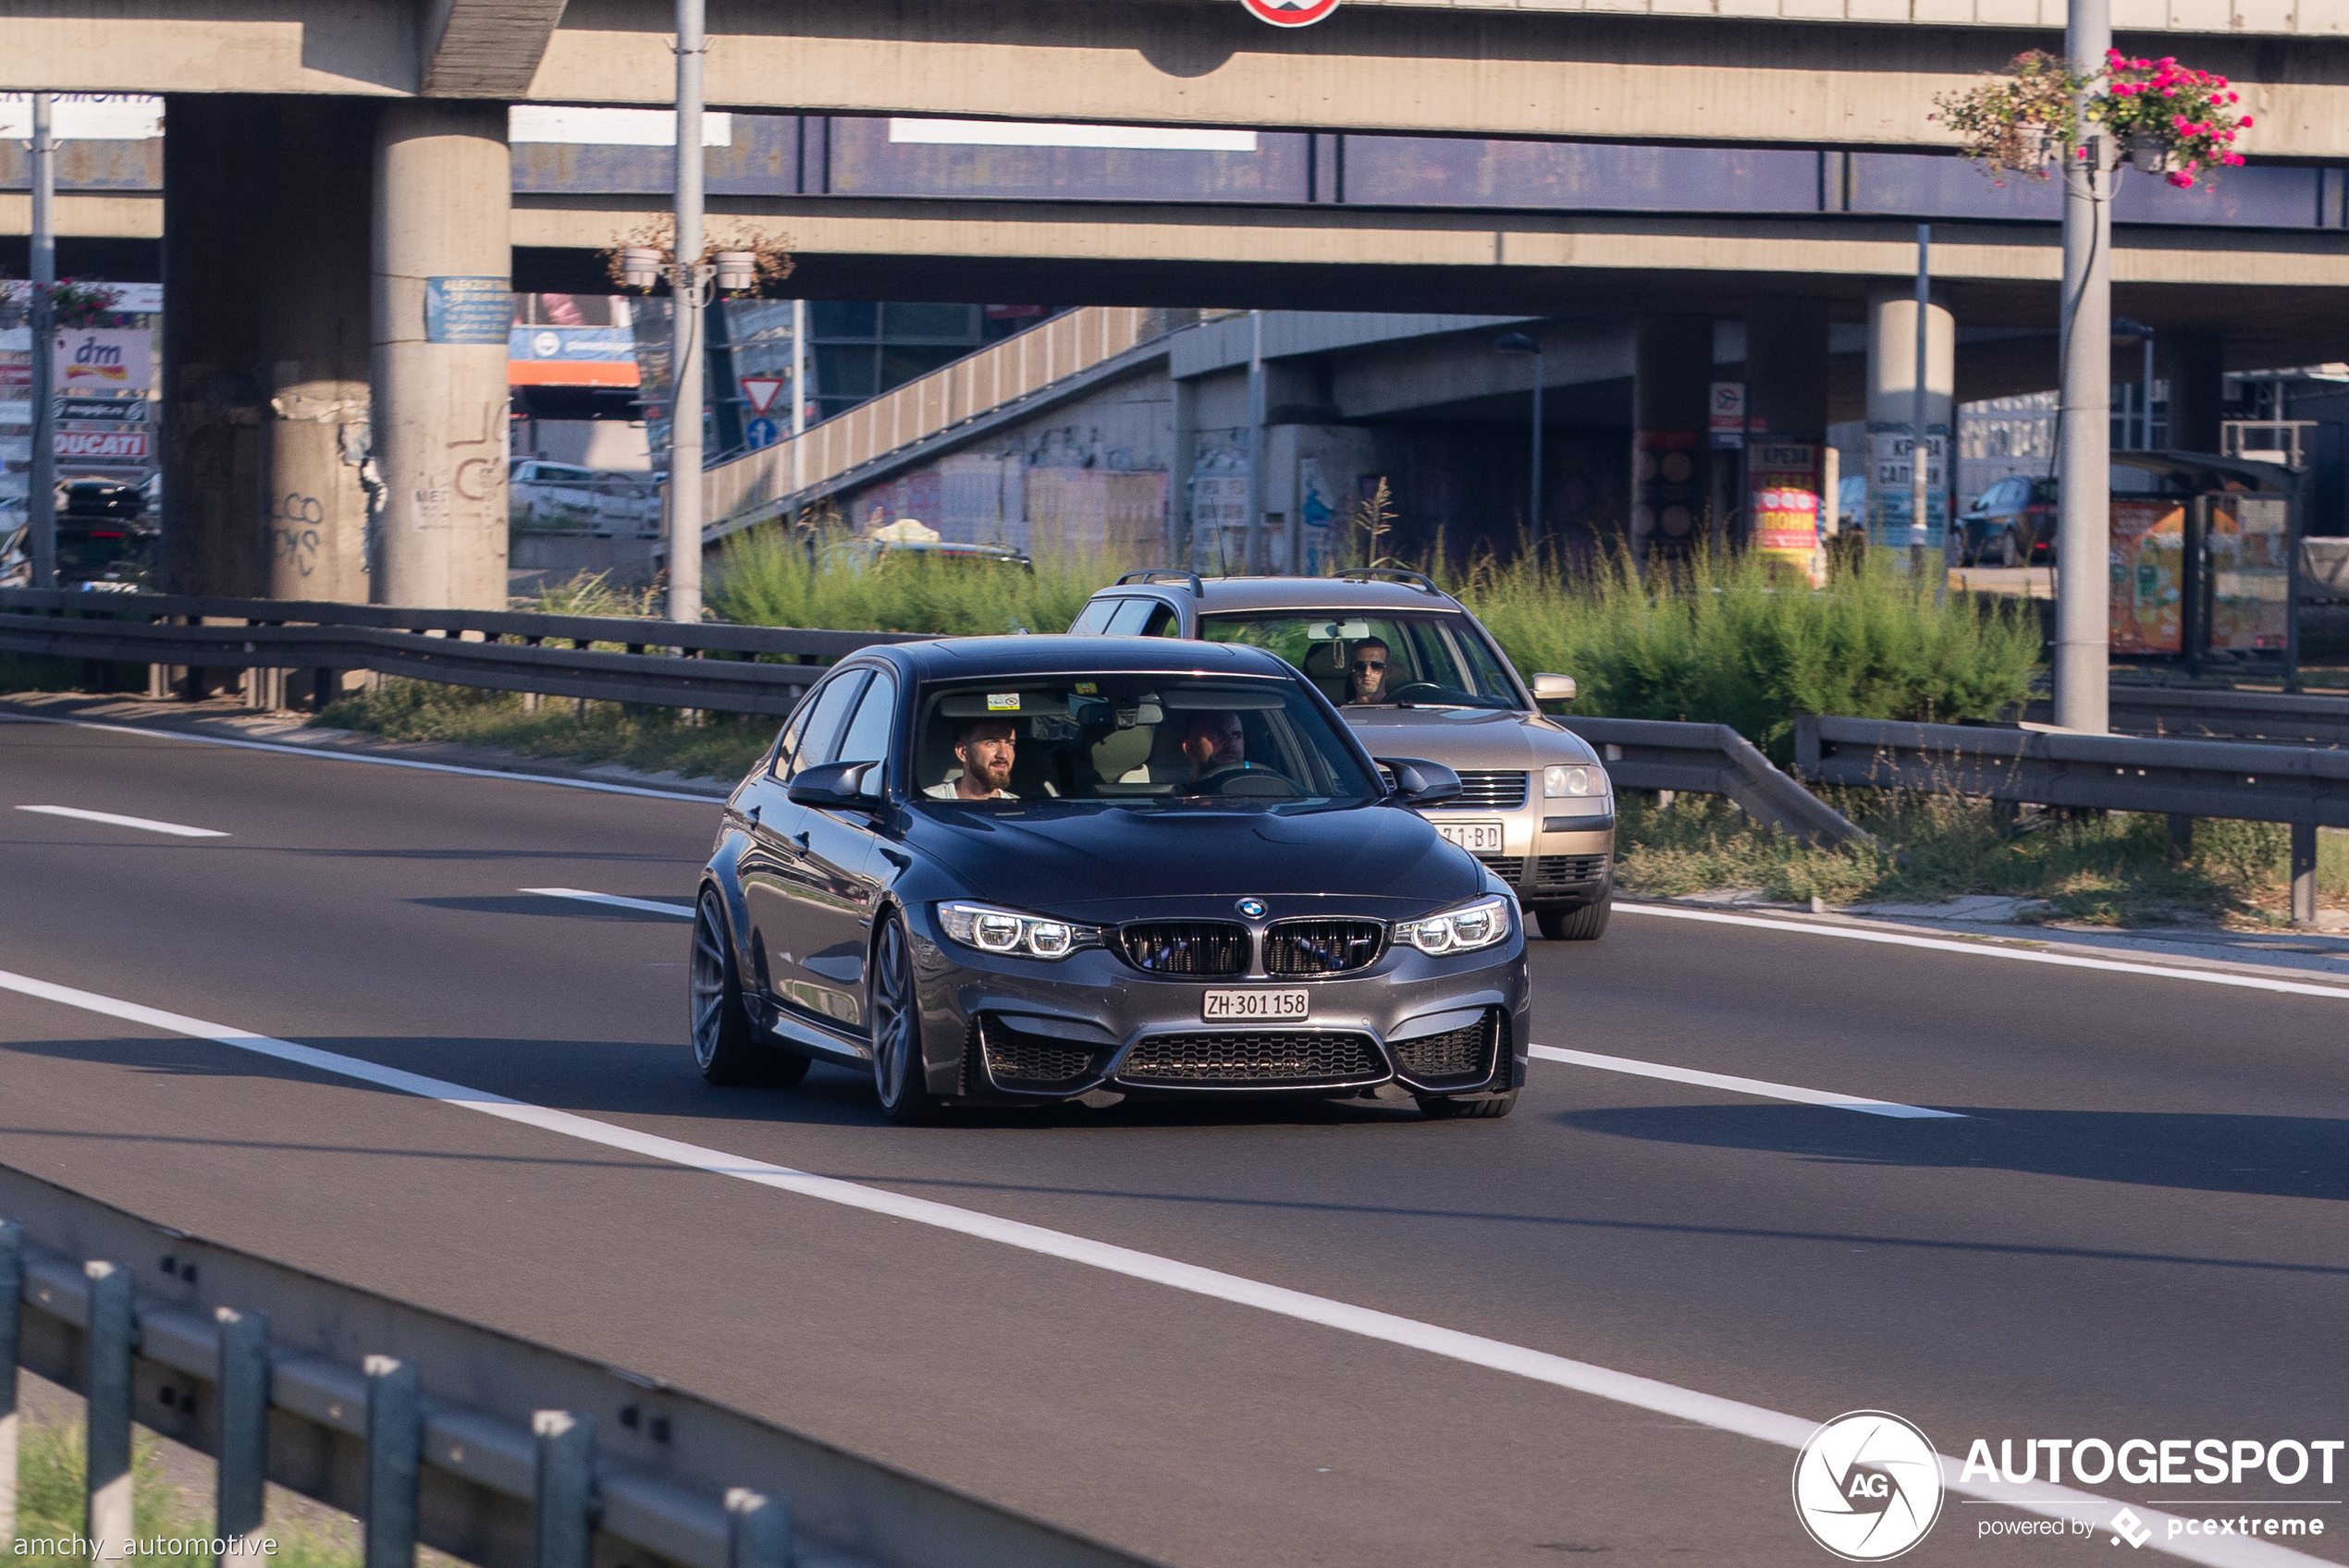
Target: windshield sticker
{"type": "Point", "coordinates": [1003, 702]}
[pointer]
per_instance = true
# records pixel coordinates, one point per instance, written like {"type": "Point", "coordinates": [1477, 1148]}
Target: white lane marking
{"type": "Point", "coordinates": [1983, 949]}
{"type": "Point", "coordinates": [649, 905]}
{"type": "Point", "coordinates": [1762, 1087]}
{"type": "Point", "coordinates": [1580, 1377]}
{"type": "Point", "coordinates": [377, 762]}
{"type": "Point", "coordinates": [144, 823]}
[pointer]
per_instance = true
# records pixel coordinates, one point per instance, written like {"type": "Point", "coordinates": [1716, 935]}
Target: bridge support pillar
{"type": "Point", "coordinates": [2194, 365]}
{"type": "Point", "coordinates": [442, 312]}
{"type": "Point", "coordinates": [1786, 395]}
{"type": "Point", "coordinates": [1893, 389]}
{"type": "Point", "coordinates": [265, 387]}
{"type": "Point", "coordinates": [1671, 382]}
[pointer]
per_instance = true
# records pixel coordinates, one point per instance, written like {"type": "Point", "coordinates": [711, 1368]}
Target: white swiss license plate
{"type": "Point", "coordinates": [1242, 1007]}
{"type": "Point", "coordinates": [1476, 837]}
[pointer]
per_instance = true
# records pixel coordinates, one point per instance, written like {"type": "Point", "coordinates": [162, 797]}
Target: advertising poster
{"type": "Point", "coordinates": [2149, 576]}
{"type": "Point", "coordinates": [2250, 571]}
{"type": "Point", "coordinates": [103, 359]}
{"type": "Point", "coordinates": [1664, 476]}
{"type": "Point", "coordinates": [1783, 481]}
{"type": "Point", "coordinates": [1891, 496]}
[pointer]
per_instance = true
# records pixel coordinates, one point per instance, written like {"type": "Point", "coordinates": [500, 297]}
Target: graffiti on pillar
{"type": "Point", "coordinates": [479, 477]}
{"type": "Point", "coordinates": [295, 521]}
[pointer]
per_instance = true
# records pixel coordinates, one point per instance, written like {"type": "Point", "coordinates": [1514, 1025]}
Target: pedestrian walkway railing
{"type": "Point", "coordinates": [435, 1431]}
{"type": "Point", "coordinates": [768, 481]}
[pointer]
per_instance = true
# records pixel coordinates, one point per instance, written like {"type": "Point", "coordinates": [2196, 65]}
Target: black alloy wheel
{"type": "Point", "coordinates": [726, 1047]}
{"type": "Point", "coordinates": [899, 1077]}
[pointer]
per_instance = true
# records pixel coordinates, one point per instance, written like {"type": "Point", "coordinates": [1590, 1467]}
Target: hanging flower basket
{"type": "Point", "coordinates": [2174, 121]}
{"type": "Point", "coordinates": [2148, 154]}
{"type": "Point", "coordinates": [2163, 118]}
{"type": "Point", "coordinates": [2017, 122]}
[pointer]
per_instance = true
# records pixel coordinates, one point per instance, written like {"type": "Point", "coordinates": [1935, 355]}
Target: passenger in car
{"type": "Point", "coordinates": [987, 748]}
{"type": "Point", "coordinates": [1366, 673]}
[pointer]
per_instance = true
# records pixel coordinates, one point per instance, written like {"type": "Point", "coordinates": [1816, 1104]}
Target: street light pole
{"type": "Point", "coordinates": [1253, 562]}
{"type": "Point", "coordinates": [688, 289]}
{"type": "Point", "coordinates": [1523, 343]}
{"type": "Point", "coordinates": [40, 490]}
{"type": "Point", "coordinates": [2085, 460]}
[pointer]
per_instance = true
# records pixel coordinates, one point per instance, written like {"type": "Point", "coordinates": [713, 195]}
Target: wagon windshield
{"type": "Point", "coordinates": [1132, 737]}
{"type": "Point", "coordinates": [1358, 659]}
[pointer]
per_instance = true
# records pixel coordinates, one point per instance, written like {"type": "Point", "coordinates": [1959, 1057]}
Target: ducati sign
{"type": "Point", "coordinates": [1289, 13]}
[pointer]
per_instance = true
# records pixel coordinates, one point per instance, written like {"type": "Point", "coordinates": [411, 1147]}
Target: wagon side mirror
{"type": "Point", "coordinates": [1553, 688]}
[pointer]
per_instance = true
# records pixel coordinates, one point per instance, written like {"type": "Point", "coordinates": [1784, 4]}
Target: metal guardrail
{"type": "Point", "coordinates": [1646, 753]}
{"type": "Point", "coordinates": [2194, 713]}
{"type": "Point", "coordinates": [2304, 787]}
{"type": "Point", "coordinates": [495, 1449]}
{"type": "Point", "coordinates": [716, 667]}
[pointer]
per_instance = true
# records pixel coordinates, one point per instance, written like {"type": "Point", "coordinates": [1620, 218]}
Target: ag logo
{"type": "Point", "coordinates": [1289, 13]}
{"type": "Point", "coordinates": [1867, 1486]}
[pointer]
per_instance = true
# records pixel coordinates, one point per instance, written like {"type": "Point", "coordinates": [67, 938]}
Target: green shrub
{"type": "Point", "coordinates": [771, 577]}
{"type": "Point", "coordinates": [1732, 640]}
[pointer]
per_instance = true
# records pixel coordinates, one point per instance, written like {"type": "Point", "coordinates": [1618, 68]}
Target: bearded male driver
{"type": "Point", "coordinates": [986, 748]}
{"type": "Point", "coordinates": [1213, 743]}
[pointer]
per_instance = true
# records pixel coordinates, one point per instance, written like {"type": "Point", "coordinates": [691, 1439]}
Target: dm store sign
{"type": "Point", "coordinates": [104, 360]}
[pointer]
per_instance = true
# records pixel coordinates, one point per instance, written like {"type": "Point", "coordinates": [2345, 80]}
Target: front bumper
{"type": "Point", "coordinates": [1009, 1030]}
{"type": "Point", "coordinates": [1555, 854]}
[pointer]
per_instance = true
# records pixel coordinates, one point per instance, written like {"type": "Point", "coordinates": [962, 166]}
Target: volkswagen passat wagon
{"type": "Point", "coordinates": [1019, 870]}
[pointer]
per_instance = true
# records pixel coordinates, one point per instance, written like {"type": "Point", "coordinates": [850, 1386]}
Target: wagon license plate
{"type": "Point", "coordinates": [1250, 1007]}
{"type": "Point", "coordinates": [1476, 837]}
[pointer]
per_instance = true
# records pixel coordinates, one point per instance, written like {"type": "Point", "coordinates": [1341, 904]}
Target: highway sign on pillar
{"type": "Point", "coordinates": [1289, 13]}
{"type": "Point", "coordinates": [760, 392]}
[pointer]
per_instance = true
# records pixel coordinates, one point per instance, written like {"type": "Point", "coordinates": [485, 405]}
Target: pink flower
{"type": "Point", "coordinates": [2244, 122]}
{"type": "Point", "coordinates": [2182, 179]}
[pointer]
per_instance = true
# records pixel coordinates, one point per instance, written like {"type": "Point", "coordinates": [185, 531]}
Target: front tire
{"type": "Point", "coordinates": [900, 1078]}
{"type": "Point", "coordinates": [726, 1047]}
{"type": "Point", "coordinates": [1585, 925]}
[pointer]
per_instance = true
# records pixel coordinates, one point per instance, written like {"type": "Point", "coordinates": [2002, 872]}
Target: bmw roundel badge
{"type": "Point", "coordinates": [1252, 908]}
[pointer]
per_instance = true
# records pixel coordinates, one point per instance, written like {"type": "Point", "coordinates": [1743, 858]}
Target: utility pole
{"type": "Point", "coordinates": [688, 290]}
{"type": "Point", "coordinates": [1920, 440]}
{"type": "Point", "coordinates": [798, 394]}
{"type": "Point", "coordinates": [40, 490]}
{"type": "Point", "coordinates": [2085, 459]}
{"type": "Point", "coordinates": [1254, 562]}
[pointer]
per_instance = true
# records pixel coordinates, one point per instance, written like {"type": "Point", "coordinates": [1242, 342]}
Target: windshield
{"type": "Point", "coordinates": [1128, 736]}
{"type": "Point", "coordinates": [1411, 660]}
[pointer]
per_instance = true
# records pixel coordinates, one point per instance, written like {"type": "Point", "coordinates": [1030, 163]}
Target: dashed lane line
{"type": "Point", "coordinates": [1580, 1377]}
{"type": "Point", "coordinates": [144, 823]}
{"type": "Point", "coordinates": [1757, 1086]}
{"type": "Point", "coordinates": [650, 906]}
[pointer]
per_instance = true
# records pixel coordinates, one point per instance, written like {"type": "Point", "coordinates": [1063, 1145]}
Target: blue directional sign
{"type": "Point", "coordinates": [761, 433]}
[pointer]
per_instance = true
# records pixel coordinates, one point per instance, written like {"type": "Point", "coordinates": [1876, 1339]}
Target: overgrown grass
{"type": "Point", "coordinates": [722, 746]}
{"type": "Point", "coordinates": [1733, 641]}
{"type": "Point", "coordinates": [51, 1505]}
{"type": "Point", "coordinates": [2108, 870]}
{"type": "Point", "coordinates": [769, 577]}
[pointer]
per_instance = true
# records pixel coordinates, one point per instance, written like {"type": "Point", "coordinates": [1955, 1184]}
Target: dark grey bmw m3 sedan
{"type": "Point", "coordinates": [1021, 870]}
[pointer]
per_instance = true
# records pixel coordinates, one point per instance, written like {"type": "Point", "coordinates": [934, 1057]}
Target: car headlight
{"type": "Point", "coordinates": [1478, 924]}
{"type": "Point", "coordinates": [993, 930]}
{"type": "Point", "coordinates": [1573, 778]}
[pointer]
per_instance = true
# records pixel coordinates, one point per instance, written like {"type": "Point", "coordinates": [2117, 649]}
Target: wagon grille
{"type": "Point", "coordinates": [1568, 871]}
{"type": "Point", "coordinates": [1187, 946]}
{"type": "Point", "coordinates": [1463, 1054]}
{"type": "Point", "coordinates": [1201, 1060]}
{"type": "Point", "coordinates": [1508, 869]}
{"type": "Point", "coordinates": [1489, 791]}
{"type": "Point", "coordinates": [1018, 1057]}
{"type": "Point", "coordinates": [1322, 946]}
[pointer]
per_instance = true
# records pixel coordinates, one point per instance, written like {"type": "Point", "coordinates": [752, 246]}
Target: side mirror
{"type": "Point", "coordinates": [1553, 688]}
{"type": "Point", "coordinates": [839, 786]}
{"type": "Point", "coordinates": [1419, 782]}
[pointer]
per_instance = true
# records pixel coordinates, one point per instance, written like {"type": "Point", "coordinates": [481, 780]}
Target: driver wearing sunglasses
{"type": "Point", "coordinates": [1365, 672]}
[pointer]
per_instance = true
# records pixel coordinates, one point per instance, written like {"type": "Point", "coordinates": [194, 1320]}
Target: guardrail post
{"type": "Point", "coordinates": [758, 1529]}
{"type": "Point", "coordinates": [107, 1420]}
{"type": "Point", "coordinates": [2303, 872]}
{"type": "Point", "coordinates": [563, 1525]}
{"type": "Point", "coordinates": [2180, 836]}
{"type": "Point", "coordinates": [11, 1318]}
{"type": "Point", "coordinates": [244, 1385]}
{"type": "Point", "coordinates": [395, 1443]}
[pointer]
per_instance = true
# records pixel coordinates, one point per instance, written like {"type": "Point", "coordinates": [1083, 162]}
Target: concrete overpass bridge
{"type": "Point", "coordinates": [1686, 160]}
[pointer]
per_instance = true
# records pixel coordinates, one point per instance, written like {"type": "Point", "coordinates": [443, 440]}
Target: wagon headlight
{"type": "Point", "coordinates": [1573, 778]}
{"type": "Point", "coordinates": [993, 930]}
{"type": "Point", "coordinates": [1473, 925]}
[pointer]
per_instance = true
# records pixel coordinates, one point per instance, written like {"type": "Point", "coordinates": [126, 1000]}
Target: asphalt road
{"type": "Point", "coordinates": [2134, 1229]}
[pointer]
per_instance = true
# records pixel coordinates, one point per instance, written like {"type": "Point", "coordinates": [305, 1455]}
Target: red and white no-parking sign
{"type": "Point", "coordinates": [1289, 13]}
